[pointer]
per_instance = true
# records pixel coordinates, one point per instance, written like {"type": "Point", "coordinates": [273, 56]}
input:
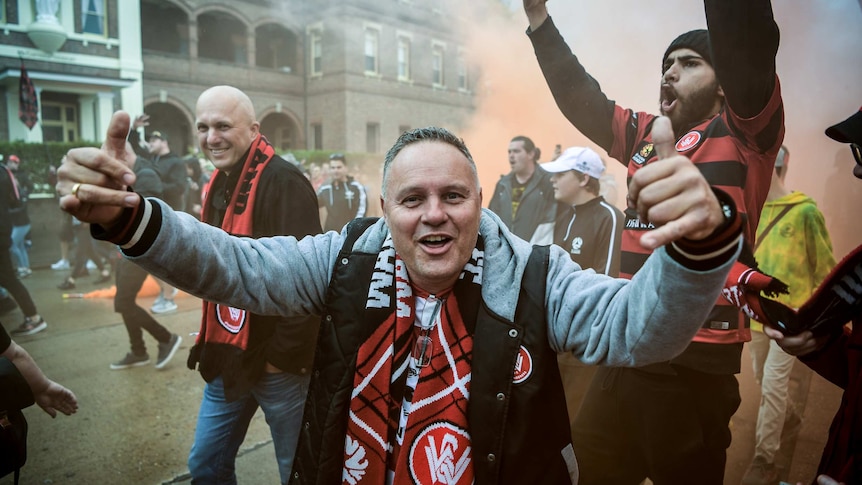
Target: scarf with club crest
{"type": "Point", "coordinates": [221, 324]}
{"type": "Point", "coordinates": [408, 419]}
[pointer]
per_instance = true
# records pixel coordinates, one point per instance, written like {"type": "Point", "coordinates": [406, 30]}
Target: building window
{"type": "Point", "coordinates": [59, 121]}
{"type": "Point", "coordinates": [403, 59]}
{"type": "Point", "coordinates": [93, 17]}
{"type": "Point", "coordinates": [222, 37]}
{"type": "Point", "coordinates": [372, 47]}
{"type": "Point", "coordinates": [3, 11]}
{"type": "Point", "coordinates": [275, 48]}
{"type": "Point", "coordinates": [166, 27]}
{"type": "Point", "coordinates": [437, 59]}
{"type": "Point", "coordinates": [316, 51]}
{"type": "Point", "coordinates": [317, 136]}
{"type": "Point", "coordinates": [372, 137]}
{"type": "Point", "coordinates": [463, 80]}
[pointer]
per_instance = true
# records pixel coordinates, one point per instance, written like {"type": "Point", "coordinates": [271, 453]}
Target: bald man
{"type": "Point", "coordinates": [248, 360]}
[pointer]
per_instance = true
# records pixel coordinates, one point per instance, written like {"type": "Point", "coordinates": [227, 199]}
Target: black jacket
{"type": "Point", "coordinates": [516, 429]}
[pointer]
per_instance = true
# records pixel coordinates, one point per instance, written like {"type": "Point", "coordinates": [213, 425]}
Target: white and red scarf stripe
{"type": "Point", "coordinates": [408, 424]}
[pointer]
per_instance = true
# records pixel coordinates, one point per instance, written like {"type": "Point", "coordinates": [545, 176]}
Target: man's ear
{"type": "Point", "coordinates": [720, 91]}
{"type": "Point", "coordinates": [381, 206]}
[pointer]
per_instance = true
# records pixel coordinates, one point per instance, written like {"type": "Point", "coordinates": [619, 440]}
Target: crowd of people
{"type": "Point", "coordinates": [422, 345]}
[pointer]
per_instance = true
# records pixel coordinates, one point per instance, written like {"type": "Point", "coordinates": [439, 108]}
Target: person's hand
{"type": "Point", "coordinates": [56, 398]}
{"type": "Point", "coordinates": [141, 120]}
{"type": "Point", "coordinates": [672, 194]}
{"type": "Point", "coordinates": [826, 480]}
{"type": "Point", "coordinates": [801, 344]}
{"type": "Point", "coordinates": [92, 182]}
{"type": "Point", "coordinates": [537, 12]}
{"type": "Point", "coordinates": [271, 369]}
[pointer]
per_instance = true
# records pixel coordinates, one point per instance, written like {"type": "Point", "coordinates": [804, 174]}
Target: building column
{"type": "Point", "coordinates": [104, 111]}
{"type": "Point", "coordinates": [193, 38]}
{"type": "Point", "coordinates": [87, 117]}
{"type": "Point", "coordinates": [131, 57]}
{"type": "Point", "coordinates": [251, 46]}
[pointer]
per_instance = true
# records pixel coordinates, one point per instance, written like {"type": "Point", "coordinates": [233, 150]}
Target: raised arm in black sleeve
{"type": "Point", "coordinates": [744, 38]}
{"type": "Point", "coordinates": [578, 95]}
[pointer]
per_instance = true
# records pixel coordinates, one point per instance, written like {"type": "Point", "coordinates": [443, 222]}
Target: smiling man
{"type": "Point", "coordinates": [669, 422]}
{"type": "Point", "coordinates": [440, 328]}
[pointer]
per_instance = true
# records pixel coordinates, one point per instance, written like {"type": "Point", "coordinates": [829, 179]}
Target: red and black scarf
{"type": "Point", "coordinates": [382, 445]}
{"type": "Point", "coordinates": [221, 324]}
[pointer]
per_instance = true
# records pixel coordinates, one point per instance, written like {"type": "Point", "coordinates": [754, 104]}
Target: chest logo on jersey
{"type": "Point", "coordinates": [577, 244]}
{"type": "Point", "coordinates": [523, 366]}
{"type": "Point", "coordinates": [441, 454]}
{"type": "Point", "coordinates": [688, 141]}
{"type": "Point", "coordinates": [232, 319]}
{"type": "Point", "coordinates": [644, 153]}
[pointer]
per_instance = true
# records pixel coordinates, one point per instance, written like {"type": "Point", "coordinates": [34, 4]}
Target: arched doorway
{"type": "Point", "coordinates": [281, 131]}
{"type": "Point", "coordinates": [173, 122]}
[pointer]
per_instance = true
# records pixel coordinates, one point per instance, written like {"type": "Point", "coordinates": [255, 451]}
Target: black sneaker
{"type": "Point", "coordinates": [67, 284]}
{"type": "Point", "coordinates": [30, 326]}
{"type": "Point", "coordinates": [131, 360]}
{"type": "Point", "coordinates": [167, 351]}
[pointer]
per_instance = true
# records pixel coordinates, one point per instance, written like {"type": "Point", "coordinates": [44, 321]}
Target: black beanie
{"type": "Point", "coordinates": [696, 40]}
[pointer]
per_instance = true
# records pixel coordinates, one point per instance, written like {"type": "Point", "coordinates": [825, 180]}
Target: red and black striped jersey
{"type": "Point", "coordinates": [735, 155]}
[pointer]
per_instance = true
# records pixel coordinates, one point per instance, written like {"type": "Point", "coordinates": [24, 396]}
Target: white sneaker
{"type": "Point", "coordinates": [164, 306]}
{"type": "Point", "coordinates": [60, 265]}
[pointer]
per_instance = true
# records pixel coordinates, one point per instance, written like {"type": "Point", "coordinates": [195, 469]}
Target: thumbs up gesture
{"type": "Point", "coordinates": [672, 194]}
{"type": "Point", "coordinates": [92, 182]}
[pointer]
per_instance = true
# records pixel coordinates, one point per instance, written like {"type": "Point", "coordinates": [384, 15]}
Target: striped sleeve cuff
{"type": "Point", "coordinates": [717, 248]}
{"type": "Point", "coordinates": [136, 229]}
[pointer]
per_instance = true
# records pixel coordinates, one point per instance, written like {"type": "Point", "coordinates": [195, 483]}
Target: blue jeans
{"type": "Point", "coordinates": [222, 426]}
{"type": "Point", "coordinates": [19, 245]}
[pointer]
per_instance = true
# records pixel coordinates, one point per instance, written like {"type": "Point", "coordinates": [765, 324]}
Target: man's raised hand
{"type": "Point", "coordinates": [92, 182]}
{"type": "Point", "coordinates": [672, 194]}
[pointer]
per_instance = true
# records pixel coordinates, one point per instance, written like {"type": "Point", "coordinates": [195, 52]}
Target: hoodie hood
{"type": "Point", "coordinates": [792, 198]}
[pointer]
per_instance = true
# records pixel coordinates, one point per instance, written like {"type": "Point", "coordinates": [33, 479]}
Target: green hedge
{"type": "Point", "coordinates": [37, 158]}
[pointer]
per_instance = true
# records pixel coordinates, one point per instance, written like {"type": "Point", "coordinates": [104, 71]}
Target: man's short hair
{"type": "Point", "coordinates": [431, 133]}
{"type": "Point", "coordinates": [337, 156]}
{"type": "Point", "coordinates": [157, 134]}
{"type": "Point", "coordinates": [594, 186]}
{"type": "Point", "coordinates": [529, 146]}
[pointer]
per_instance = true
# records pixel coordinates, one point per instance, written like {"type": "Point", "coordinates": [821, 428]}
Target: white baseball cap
{"type": "Point", "coordinates": [582, 159]}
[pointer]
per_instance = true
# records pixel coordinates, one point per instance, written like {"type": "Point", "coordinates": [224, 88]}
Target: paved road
{"type": "Point", "coordinates": [135, 426]}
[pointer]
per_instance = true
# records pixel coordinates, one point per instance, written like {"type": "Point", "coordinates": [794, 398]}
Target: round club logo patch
{"type": "Point", "coordinates": [523, 366]}
{"type": "Point", "coordinates": [232, 319]}
{"type": "Point", "coordinates": [689, 141]}
{"type": "Point", "coordinates": [441, 454]}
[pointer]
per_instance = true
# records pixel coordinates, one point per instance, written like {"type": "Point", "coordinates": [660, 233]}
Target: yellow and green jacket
{"type": "Point", "coordinates": [797, 249]}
